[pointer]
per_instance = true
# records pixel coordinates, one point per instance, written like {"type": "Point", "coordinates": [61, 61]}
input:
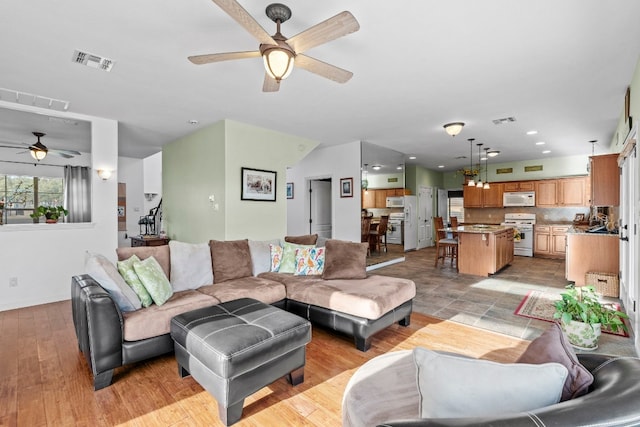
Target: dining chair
{"type": "Point", "coordinates": [365, 232]}
{"type": "Point", "coordinates": [379, 233]}
{"type": "Point", "coordinates": [445, 247]}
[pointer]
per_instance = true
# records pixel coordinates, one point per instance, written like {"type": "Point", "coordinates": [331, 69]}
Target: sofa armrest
{"type": "Point", "coordinates": [99, 328]}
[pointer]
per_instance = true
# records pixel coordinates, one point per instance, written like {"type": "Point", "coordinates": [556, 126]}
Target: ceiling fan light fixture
{"type": "Point", "coordinates": [38, 153]}
{"type": "Point", "coordinates": [453, 128]}
{"type": "Point", "coordinates": [278, 62]}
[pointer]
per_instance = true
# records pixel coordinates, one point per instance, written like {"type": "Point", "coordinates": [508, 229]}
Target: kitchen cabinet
{"type": "Point", "coordinates": [590, 252]}
{"type": "Point", "coordinates": [376, 198]}
{"type": "Point", "coordinates": [381, 198]}
{"type": "Point", "coordinates": [605, 180]}
{"type": "Point", "coordinates": [510, 187]}
{"type": "Point", "coordinates": [484, 252]}
{"type": "Point", "coordinates": [550, 241]}
{"type": "Point", "coordinates": [562, 192]}
{"type": "Point", "coordinates": [475, 197]}
{"type": "Point", "coordinates": [368, 199]}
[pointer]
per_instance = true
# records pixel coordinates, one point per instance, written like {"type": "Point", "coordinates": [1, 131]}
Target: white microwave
{"type": "Point", "coordinates": [519, 198]}
{"type": "Point", "coordinates": [395, 202]}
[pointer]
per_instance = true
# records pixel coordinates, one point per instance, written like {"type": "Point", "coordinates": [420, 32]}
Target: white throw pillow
{"type": "Point", "coordinates": [106, 274]}
{"type": "Point", "coordinates": [261, 255]}
{"type": "Point", "coordinates": [190, 265]}
{"type": "Point", "coordinates": [453, 386]}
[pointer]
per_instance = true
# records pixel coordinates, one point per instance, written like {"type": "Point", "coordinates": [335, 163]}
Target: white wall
{"type": "Point", "coordinates": [152, 181]}
{"type": "Point", "coordinates": [335, 162]}
{"type": "Point", "coordinates": [43, 257]}
{"type": "Point", "coordinates": [130, 173]}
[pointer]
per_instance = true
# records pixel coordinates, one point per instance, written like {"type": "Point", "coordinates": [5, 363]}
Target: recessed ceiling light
{"type": "Point", "coordinates": [546, 151]}
{"type": "Point", "coordinates": [440, 166]}
{"type": "Point", "coordinates": [412, 157]}
{"type": "Point", "coordinates": [193, 122]}
{"type": "Point", "coordinates": [540, 143]}
{"type": "Point", "coordinates": [399, 167]}
{"type": "Point", "coordinates": [376, 167]}
{"type": "Point", "coordinates": [532, 132]}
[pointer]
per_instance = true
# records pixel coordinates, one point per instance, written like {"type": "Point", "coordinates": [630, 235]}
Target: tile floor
{"type": "Point", "coordinates": [485, 302]}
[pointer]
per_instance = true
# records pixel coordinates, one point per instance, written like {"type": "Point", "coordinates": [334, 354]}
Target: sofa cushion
{"type": "Point", "coordinates": [156, 320]}
{"type": "Point", "coordinates": [307, 239]}
{"type": "Point", "coordinates": [345, 260]}
{"type": "Point", "coordinates": [261, 255]}
{"type": "Point", "coordinates": [131, 277]}
{"type": "Point", "coordinates": [369, 298]}
{"type": "Point", "coordinates": [160, 253]}
{"type": "Point", "coordinates": [457, 386]}
{"type": "Point", "coordinates": [288, 263]}
{"type": "Point", "coordinates": [231, 259]}
{"type": "Point", "coordinates": [105, 273]}
{"type": "Point", "coordinates": [275, 253]}
{"type": "Point", "coordinates": [190, 265]}
{"type": "Point", "coordinates": [553, 346]}
{"type": "Point", "coordinates": [309, 261]}
{"type": "Point", "coordinates": [262, 289]}
{"type": "Point", "coordinates": [154, 280]}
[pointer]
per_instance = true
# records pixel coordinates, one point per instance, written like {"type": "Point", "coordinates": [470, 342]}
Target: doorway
{"type": "Point", "coordinates": [425, 212]}
{"type": "Point", "coordinates": [320, 221]}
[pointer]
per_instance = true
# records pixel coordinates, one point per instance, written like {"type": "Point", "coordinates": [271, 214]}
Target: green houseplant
{"type": "Point", "coordinates": [582, 315]}
{"type": "Point", "coordinates": [51, 213]}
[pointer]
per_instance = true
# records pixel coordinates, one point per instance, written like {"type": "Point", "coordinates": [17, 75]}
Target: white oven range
{"type": "Point", "coordinates": [522, 224]}
{"type": "Point", "coordinates": [395, 229]}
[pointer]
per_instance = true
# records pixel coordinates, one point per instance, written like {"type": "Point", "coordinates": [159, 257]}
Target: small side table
{"type": "Point", "coordinates": [149, 241]}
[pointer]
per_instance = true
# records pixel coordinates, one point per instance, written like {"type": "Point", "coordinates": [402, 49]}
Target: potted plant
{"type": "Point", "coordinates": [582, 316]}
{"type": "Point", "coordinates": [51, 213]}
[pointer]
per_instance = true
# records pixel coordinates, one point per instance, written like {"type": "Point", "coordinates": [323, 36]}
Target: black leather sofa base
{"type": "Point", "coordinates": [99, 328]}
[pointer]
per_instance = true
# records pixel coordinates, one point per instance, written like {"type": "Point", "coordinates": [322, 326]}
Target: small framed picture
{"type": "Point", "coordinates": [289, 190]}
{"type": "Point", "coordinates": [346, 187]}
{"type": "Point", "coordinates": [258, 184]}
{"type": "Point", "coordinates": [579, 217]}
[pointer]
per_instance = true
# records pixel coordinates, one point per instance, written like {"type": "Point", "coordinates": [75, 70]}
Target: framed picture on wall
{"type": "Point", "coordinates": [289, 190]}
{"type": "Point", "coordinates": [258, 184]}
{"type": "Point", "coordinates": [346, 187]}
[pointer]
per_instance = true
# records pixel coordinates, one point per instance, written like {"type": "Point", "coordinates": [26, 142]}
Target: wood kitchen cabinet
{"type": "Point", "coordinates": [373, 198]}
{"type": "Point", "coordinates": [605, 180]}
{"type": "Point", "coordinates": [510, 187]}
{"type": "Point", "coordinates": [475, 197]}
{"type": "Point", "coordinates": [368, 199]}
{"type": "Point", "coordinates": [591, 253]}
{"type": "Point", "coordinates": [546, 193]}
{"type": "Point", "coordinates": [550, 241]}
{"type": "Point", "coordinates": [562, 192]}
{"type": "Point", "coordinates": [381, 198]}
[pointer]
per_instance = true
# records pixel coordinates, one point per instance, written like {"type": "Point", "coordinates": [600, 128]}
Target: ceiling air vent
{"type": "Point", "coordinates": [93, 61]}
{"type": "Point", "coordinates": [504, 121]}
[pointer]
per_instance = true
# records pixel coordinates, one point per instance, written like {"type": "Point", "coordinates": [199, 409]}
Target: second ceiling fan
{"type": "Point", "coordinates": [280, 53]}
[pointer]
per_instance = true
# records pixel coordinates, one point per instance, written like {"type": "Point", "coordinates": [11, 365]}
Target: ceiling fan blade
{"type": "Point", "coordinates": [323, 69]}
{"type": "Point", "coordinates": [60, 154]}
{"type": "Point", "coordinates": [11, 146]}
{"type": "Point", "coordinates": [243, 18]}
{"type": "Point", "coordinates": [340, 25]}
{"type": "Point", "coordinates": [270, 84]}
{"type": "Point", "coordinates": [217, 57]}
{"type": "Point", "coordinates": [68, 152]}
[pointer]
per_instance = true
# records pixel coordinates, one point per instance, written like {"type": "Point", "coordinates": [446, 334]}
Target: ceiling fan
{"type": "Point", "coordinates": [280, 53]}
{"type": "Point", "coordinates": [39, 151]}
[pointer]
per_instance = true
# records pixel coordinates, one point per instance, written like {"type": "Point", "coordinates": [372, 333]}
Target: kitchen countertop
{"type": "Point", "coordinates": [477, 228]}
{"type": "Point", "coordinates": [583, 231]}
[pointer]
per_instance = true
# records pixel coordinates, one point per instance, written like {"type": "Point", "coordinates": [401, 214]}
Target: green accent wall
{"type": "Point", "coordinates": [208, 163]}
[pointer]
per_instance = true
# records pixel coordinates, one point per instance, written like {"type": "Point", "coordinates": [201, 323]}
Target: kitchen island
{"type": "Point", "coordinates": [483, 249]}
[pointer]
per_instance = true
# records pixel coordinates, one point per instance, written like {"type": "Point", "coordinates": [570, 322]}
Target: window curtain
{"type": "Point", "coordinates": [77, 193]}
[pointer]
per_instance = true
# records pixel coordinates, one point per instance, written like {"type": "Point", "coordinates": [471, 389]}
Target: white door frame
{"type": "Point", "coordinates": [327, 229]}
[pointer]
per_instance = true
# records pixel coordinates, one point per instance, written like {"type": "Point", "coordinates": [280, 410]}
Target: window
{"type": "Point", "coordinates": [456, 205]}
{"type": "Point", "coordinates": [22, 193]}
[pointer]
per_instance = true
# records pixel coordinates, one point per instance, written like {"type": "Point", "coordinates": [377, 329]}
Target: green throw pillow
{"type": "Point", "coordinates": [125, 268]}
{"type": "Point", "coordinates": [288, 263]}
{"type": "Point", "coordinates": [154, 280]}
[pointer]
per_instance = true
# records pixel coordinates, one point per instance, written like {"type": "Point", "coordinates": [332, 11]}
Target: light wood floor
{"type": "Point", "coordinates": [45, 381]}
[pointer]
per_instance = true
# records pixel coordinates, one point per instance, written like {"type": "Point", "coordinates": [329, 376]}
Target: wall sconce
{"type": "Point", "coordinates": [104, 174]}
{"type": "Point", "coordinates": [453, 128]}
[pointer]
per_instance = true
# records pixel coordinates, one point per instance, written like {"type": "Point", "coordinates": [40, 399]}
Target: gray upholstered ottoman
{"type": "Point", "coordinates": [235, 348]}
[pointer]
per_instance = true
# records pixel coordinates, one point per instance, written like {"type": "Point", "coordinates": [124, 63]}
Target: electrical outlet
{"type": "Point", "coordinates": [13, 282]}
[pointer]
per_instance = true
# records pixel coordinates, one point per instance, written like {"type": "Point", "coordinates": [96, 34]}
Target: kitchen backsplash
{"type": "Point", "coordinates": [543, 215]}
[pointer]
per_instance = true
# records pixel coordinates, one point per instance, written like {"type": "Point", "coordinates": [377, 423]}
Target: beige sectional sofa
{"type": "Point", "coordinates": [113, 330]}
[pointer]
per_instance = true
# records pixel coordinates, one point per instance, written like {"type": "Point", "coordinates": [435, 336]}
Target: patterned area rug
{"type": "Point", "coordinates": [539, 305]}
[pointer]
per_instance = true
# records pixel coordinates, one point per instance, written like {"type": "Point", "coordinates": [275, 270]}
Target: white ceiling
{"type": "Point", "coordinates": [560, 67]}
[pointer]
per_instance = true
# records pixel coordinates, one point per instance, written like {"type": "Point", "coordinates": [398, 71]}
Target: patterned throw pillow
{"type": "Point", "coordinates": [288, 263]}
{"type": "Point", "coordinates": [309, 261]}
{"type": "Point", "coordinates": [276, 256]}
{"type": "Point", "coordinates": [154, 280]}
{"type": "Point", "coordinates": [106, 274]}
{"type": "Point", "coordinates": [129, 274]}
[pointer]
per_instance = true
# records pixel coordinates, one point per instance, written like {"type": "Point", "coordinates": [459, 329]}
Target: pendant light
{"type": "Point", "coordinates": [471, 182]}
{"type": "Point", "coordinates": [479, 183]}
{"type": "Point", "coordinates": [486, 169]}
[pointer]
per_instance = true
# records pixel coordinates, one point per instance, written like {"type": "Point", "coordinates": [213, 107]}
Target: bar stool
{"type": "Point", "coordinates": [445, 247]}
